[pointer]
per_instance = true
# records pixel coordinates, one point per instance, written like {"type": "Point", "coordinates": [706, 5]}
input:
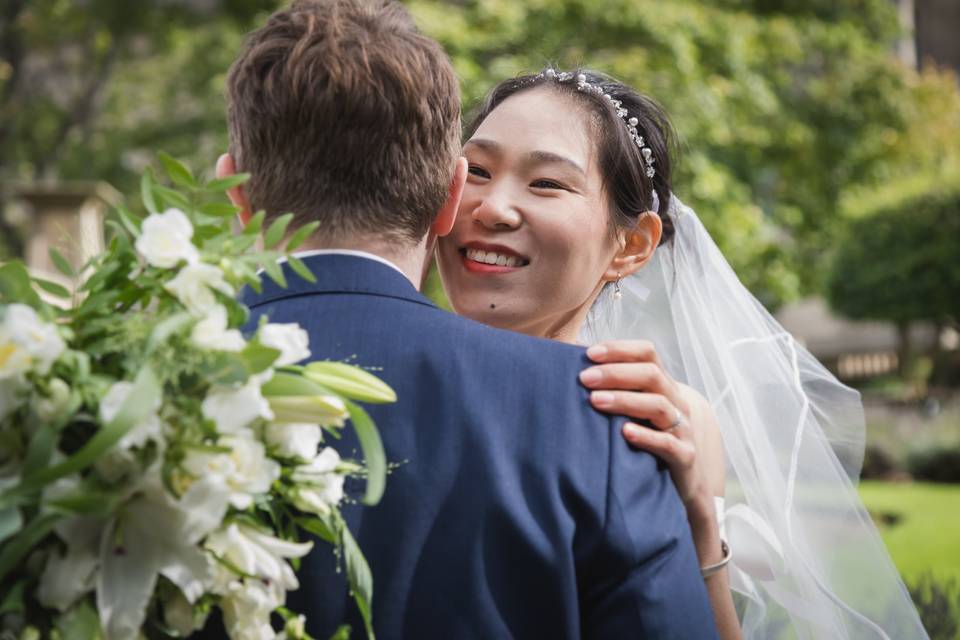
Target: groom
{"type": "Point", "coordinates": [516, 509]}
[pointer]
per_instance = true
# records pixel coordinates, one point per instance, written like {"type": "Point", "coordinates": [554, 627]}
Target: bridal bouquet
{"type": "Point", "coordinates": [155, 462]}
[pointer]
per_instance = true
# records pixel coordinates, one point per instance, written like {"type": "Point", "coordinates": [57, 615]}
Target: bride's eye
{"type": "Point", "coordinates": [480, 172]}
{"type": "Point", "coordinates": [546, 184]}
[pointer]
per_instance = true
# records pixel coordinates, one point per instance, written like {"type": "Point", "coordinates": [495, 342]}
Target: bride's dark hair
{"type": "Point", "coordinates": [622, 166]}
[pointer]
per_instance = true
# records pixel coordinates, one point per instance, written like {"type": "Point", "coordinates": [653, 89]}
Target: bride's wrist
{"type": "Point", "coordinates": [702, 511]}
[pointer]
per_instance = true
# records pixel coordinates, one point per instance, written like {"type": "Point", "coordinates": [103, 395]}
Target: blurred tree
{"type": "Point", "coordinates": [899, 261]}
{"type": "Point", "coordinates": [82, 84]}
{"type": "Point", "coordinates": [782, 105]}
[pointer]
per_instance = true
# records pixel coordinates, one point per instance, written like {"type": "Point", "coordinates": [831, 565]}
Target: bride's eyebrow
{"type": "Point", "coordinates": [534, 157]}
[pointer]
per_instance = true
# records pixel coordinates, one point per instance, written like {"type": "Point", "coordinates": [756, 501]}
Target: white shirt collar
{"type": "Point", "coordinates": [346, 252]}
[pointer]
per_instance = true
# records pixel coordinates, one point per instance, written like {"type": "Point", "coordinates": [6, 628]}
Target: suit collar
{"type": "Point", "coordinates": [337, 273]}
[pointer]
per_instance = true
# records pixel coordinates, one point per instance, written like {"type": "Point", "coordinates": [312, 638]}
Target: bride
{"type": "Point", "coordinates": [569, 230]}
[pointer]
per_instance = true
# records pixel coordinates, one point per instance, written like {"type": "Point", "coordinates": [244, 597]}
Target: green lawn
{"type": "Point", "coordinates": [927, 536]}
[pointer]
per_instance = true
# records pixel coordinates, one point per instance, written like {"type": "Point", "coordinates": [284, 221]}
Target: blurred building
{"type": "Point", "coordinates": [851, 349]}
{"type": "Point", "coordinates": [932, 32]}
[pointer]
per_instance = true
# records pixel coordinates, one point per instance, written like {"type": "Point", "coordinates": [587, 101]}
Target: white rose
{"type": "Point", "coordinates": [246, 470]}
{"type": "Point", "coordinates": [319, 486]}
{"type": "Point", "coordinates": [149, 426]}
{"type": "Point", "coordinates": [290, 339]}
{"type": "Point", "coordinates": [294, 439]}
{"type": "Point", "coordinates": [233, 409]}
{"type": "Point", "coordinates": [165, 239]}
{"type": "Point", "coordinates": [194, 286]}
{"type": "Point", "coordinates": [212, 333]}
{"type": "Point", "coordinates": [27, 342]}
{"type": "Point", "coordinates": [258, 554]}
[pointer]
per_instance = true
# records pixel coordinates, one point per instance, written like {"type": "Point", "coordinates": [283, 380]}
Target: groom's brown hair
{"type": "Point", "coordinates": [344, 113]}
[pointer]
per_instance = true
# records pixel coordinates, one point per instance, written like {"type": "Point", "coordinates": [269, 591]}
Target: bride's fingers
{"type": "Point", "coordinates": [624, 351]}
{"type": "Point", "coordinates": [637, 376]}
{"type": "Point", "coordinates": [640, 406]}
{"type": "Point", "coordinates": [678, 454]}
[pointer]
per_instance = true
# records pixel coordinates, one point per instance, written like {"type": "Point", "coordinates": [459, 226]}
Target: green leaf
{"type": "Point", "coordinates": [177, 171]}
{"type": "Point", "coordinates": [40, 449]}
{"type": "Point", "coordinates": [218, 209]}
{"type": "Point", "coordinates": [258, 357]}
{"type": "Point", "coordinates": [359, 578]}
{"type": "Point", "coordinates": [274, 234]}
{"type": "Point", "coordinates": [166, 328]}
{"type": "Point", "coordinates": [342, 633]}
{"type": "Point", "coordinates": [275, 272]}
{"type": "Point", "coordinates": [15, 285]}
{"type": "Point", "coordinates": [222, 184]}
{"type": "Point", "coordinates": [61, 263]}
{"type": "Point", "coordinates": [301, 234]}
{"type": "Point", "coordinates": [130, 222]}
{"type": "Point", "coordinates": [87, 501]}
{"type": "Point", "coordinates": [373, 454]}
{"type": "Point", "coordinates": [319, 528]}
{"type": "Point", "coordinates": [146, 192]}
{"type": "Point", "coordinates": [289, 384]}
{"type": "Point", "coordinates": [17, 548]}
{"type": "Point", "coordinates": [173, 198]}
{"type": "Point", "coordinates": [80, 623]}
{"type": "Point", "coordinates": [144, 395]}
{"type": "Point", "coordinates": [52, 288]}
{"type": "Point", "coordinates": [11, 521]}
{"type": "Point", "coordinates": [350, 381]}
{"type": "Point", "coordinates": [255, 223]}
{"type": "Point", "coordinates": [301, 269]}
{"type": "Point", "coordinates": [13, 601]}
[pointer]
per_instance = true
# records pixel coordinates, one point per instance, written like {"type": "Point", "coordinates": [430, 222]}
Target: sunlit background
{"type": "Point", "coordinates": [820, 143]}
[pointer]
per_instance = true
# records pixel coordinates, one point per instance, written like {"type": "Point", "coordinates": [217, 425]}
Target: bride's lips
{"type": "Point", "coordinates": [479, 257]}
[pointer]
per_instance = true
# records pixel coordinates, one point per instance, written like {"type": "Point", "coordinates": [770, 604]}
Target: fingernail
{"type": "Point", "coordinates": [631, 429]}
{"type": "Point", "coordinates": [590, 376]}
{"type": "Point", "coordinates": [596, 352]}
{"type": "Point", "coordinates": [601, 398]}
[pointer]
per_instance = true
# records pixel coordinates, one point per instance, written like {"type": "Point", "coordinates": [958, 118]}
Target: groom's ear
{"type": "Point", "coordinates": [638, 246]}
{"type": "Point", "coordinates": [443, 223]}
{"type": "Point", "coordinates": [226, 167]}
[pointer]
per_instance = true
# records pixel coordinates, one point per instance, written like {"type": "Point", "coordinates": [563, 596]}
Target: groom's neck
{"type": "Point", "coordinates": [412, 260]}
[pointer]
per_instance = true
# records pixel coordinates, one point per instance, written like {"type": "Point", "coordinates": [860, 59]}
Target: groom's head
{"type": "Point", "coordinates": [344, 113]}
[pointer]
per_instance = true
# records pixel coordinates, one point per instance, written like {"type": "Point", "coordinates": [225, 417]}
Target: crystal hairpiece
{"type": "Point", "coordinates": [631, 122]}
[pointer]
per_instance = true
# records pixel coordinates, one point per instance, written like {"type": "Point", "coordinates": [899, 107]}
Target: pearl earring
{"type": "Point", "coordinates": [617, 294]}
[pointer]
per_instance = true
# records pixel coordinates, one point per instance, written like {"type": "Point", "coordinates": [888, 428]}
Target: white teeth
{"type": "Point", "coordinates": [492, 258]}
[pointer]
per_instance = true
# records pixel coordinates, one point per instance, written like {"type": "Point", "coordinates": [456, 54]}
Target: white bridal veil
{"type": "Point", "coordinates": [807, 558]}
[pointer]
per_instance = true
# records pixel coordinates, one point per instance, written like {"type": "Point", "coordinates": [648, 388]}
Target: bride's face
{"type": "Point", "coordinates": [532, 244]}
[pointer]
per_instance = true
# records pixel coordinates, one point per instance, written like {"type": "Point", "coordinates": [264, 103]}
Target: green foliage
{"type": "Point", "coordinates": [935, 464]}
{"type": "Point", "coordinates": [938, 603]}
{"type": "Point", "coordinates": [899, 262]}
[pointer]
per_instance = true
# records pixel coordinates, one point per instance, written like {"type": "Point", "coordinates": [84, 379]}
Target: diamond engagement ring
{"type": "Point", "coordinates": [677, 420]}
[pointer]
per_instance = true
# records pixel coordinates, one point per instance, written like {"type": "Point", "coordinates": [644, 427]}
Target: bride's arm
{"type": "Point", "coordinates": [630, 380]}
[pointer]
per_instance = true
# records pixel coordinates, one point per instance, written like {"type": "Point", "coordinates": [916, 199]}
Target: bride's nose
{"type": "Point", "coordinates": [495, 212]}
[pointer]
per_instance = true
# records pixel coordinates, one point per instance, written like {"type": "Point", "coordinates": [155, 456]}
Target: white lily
{"type": "Point", "coordinates": [258, 554]}
{"type": "Point", "coordinates": [156, 535]}
{"type": "Point", "coordinates": [294, 439]}
{"type": "Point", "coordinates": [212, 333]}
{"type": "Point", "coordinates": [319, 486]}
{"type": "Point", "coordinates": [148, 428]}
{"type": "Point", "coordinates": [27, 342]}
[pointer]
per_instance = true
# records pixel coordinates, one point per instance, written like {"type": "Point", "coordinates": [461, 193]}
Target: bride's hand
{"type": "Point", "coordinates": [630, 380]}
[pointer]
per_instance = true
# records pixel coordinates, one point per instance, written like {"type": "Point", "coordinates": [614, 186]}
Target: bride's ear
{"type": "Point", "coordinates": [226, 167]}
{"type": "Point", "coordinates": [447, 215]}
{"type": "Point", "coordinates": [637, 246]}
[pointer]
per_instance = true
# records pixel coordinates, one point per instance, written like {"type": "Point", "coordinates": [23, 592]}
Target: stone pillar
{"type": "Point", "coordinates": [68, 216]}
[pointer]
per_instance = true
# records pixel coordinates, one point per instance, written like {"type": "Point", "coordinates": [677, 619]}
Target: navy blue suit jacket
{"type": "Point", "coordinates": [516, 510]}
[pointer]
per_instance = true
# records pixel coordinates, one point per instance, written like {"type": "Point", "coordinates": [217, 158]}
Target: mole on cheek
{"type": "Point", "coordinates": [493, 306]}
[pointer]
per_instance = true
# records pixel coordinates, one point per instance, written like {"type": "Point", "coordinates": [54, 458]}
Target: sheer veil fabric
{"type": "Point", "coordinates": [807, 559]}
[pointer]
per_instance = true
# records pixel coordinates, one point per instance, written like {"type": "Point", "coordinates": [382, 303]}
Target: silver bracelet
{"type": "Point", "coordinates": [711, 569]}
